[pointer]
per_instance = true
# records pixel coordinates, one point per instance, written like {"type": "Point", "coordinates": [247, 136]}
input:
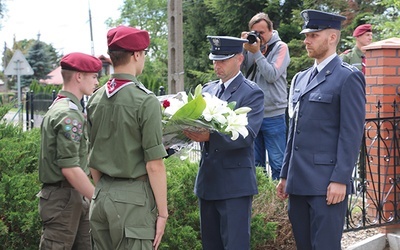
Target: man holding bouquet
{"type": "Point", "coordinates": [226, 180]}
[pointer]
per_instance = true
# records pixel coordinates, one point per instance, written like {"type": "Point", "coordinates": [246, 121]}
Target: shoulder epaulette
{"type": "Point", "coordinates": [208, 83]}
{"type": "Point", "coordinates": [143, 88]}
{"type": "Point", "coordinates": [349, 66]}
{"type": "Point", "coordinates": [346, 51]}
{"type": "Point", "coordinates": [72, 106]}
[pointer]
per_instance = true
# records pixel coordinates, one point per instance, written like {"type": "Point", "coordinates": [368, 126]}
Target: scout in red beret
{"type": "Point", "coordinates": [362, 29]}
{"type": "Point", "coordinates": [127, 38]}
{"type": "Point", "coordinates": [356, 55]}
{"type": "Point", "coordinates": [81, 62]}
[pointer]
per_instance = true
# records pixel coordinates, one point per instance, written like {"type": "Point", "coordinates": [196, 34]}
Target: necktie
{"type": "Point", "coordinates": [363, 64]}
{"type": "Point", "coordinates": [221, 90]}
{"type": "Point", "coordinates": [313, 74]}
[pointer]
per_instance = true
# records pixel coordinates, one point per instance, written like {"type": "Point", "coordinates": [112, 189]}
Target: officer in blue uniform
{"type": "Point", "coordinates": [327, 113]}
{"type": "Point", "coordinates": [226, 180]}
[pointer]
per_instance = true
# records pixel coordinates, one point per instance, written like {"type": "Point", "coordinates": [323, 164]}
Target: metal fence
{"type": "Point", "coordinates": [376, 201]}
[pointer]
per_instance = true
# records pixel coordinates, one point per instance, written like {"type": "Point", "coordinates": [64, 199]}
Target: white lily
{"type": "Point", "coordinates": [237, 125]}
{"type": "Point", "coordinates": [242, 110]}
{"type": "Point", "coordinates": [216, 109]}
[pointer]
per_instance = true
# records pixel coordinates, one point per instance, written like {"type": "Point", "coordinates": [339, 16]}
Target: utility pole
{"type": "Point", "coordinates": [175, 47]}
{"type": "Point", "coordinates": [91, 30]}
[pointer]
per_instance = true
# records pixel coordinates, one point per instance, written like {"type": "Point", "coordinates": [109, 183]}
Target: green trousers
{"type": "Point", "coordinates": [122, 214]}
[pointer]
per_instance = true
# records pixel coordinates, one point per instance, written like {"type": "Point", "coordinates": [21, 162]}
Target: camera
{"type": "Point", "coordinates": [252, 36]}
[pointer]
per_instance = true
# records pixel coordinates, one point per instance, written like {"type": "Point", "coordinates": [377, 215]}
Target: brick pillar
{"type": "Point", "coordinates": [382, 85]}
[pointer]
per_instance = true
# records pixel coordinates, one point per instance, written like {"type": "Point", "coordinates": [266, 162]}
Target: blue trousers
{"type": "Point", "coordinates": [225, 224]}
{"type": "Point", "coordinates": [271, 138]}
{"type": "Point", "coordinates": [316, 225]}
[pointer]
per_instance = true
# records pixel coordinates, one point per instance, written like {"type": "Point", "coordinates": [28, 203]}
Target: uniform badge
{"type": "Point", "coordinates": [67, 127]}
{"type": "Point", "coordinates": [67, 120]}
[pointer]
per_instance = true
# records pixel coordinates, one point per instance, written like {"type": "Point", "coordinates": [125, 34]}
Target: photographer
{"type": "Point", "coordinates": [266, 61]}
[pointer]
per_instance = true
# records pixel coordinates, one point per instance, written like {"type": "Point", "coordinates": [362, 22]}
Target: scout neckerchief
{"type": "Point", "coordinates": [58, 98]}
{"type": "Point", "coordinates": [114, 85]}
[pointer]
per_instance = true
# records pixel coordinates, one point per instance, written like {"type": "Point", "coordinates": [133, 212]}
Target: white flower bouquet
{"type": "Point", "coordinates": [200, 112]}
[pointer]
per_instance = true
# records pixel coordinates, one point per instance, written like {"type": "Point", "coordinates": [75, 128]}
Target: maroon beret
{"type": "Point", "coordinates": [362, 29]}
{"type": "Point", "coordinates": [81, 62]}
{"type": "Point", "coordinates": [127, 38]}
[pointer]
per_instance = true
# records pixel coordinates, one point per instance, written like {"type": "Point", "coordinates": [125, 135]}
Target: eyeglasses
{"type": "Point", "coordinates": [145, 51]}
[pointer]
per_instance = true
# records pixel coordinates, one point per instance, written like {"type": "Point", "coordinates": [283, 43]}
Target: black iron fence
{"type": "Point", "coordinates": [376, 201]}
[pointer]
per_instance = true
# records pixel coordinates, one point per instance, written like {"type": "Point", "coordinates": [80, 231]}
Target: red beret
{"type": "Point", "coordinates": [127, 38]}
{"type": "Point", "coordinates": [362, 29]}
{"type": "Point", "coordinates": [81, 62]}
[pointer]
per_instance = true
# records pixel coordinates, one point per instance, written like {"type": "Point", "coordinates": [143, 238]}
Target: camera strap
{"type": "Point", "coordinates": [252, 70]}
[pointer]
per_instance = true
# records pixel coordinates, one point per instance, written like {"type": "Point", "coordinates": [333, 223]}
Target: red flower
{"type": "Point", "coordinates": [166, 104]}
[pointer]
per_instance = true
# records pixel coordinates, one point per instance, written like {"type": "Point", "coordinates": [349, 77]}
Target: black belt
{"type": "Point", "coordinates": [140, 178]}
{"type": "Point", "coordinates": [62, 184]}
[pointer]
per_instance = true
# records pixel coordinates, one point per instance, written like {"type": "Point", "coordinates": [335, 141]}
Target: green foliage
{"type": "Point", "coordinates": [19, 221]}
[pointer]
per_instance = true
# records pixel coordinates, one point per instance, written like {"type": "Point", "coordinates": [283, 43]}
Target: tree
{"type": "Point", "coordinates": [150, 15]}
{"type": "Point", "coordinates": [42, 57]}
{"type": "Point", "coordinates": [39, 59]}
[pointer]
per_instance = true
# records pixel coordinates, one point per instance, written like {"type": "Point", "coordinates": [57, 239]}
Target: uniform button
{"type": "Point", "coordinates": [319, 98]}
{"type": "Point", "coordinates": [300, 114]}
{"type": "Point", "coordinates": [331, 161]}
{"type": "Point", "coordinates": [216, 150]}
{"type": "Point", "coordinates": [298, 131]}
{"type": "Point", "coordinates": [296, 148]}
{"type": "Point", "coordinates": [206, 154]}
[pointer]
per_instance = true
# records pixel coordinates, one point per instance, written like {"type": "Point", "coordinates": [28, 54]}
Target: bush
{"type": "Point", "coordinates": [19, 221]}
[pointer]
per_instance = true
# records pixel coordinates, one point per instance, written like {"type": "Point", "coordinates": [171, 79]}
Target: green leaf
{"type": "Point", "coordinates": [232, 105]}
{"type": "Point", "coordinates": [191, 110]}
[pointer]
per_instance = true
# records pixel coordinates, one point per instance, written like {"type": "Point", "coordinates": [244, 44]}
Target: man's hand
{"type": "Point", "coordinates": [253, 48]}
{"type": "Point", "coordinates": [280, 189]}
{"type": "Point", "coordinates": [336, 193]}
{"type": "Point", "coordinates": [200, 136]}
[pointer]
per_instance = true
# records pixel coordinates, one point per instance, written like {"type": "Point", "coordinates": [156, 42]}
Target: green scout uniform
{"type": "Point", "coordinates": [63, 210]}
{"type": "Point", "coordinates": [124, 121]}
{"type": "Point", "coordinates": [353, 56]}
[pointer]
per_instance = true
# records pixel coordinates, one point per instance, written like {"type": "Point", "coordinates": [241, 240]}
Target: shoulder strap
{"type": "Point", "coordinates": [253, 67]}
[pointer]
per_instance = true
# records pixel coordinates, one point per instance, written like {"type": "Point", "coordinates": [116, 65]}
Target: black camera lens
{"type": "Point", "coordinates": [252, 36]}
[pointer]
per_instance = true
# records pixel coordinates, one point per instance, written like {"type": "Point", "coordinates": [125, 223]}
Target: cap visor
{"type": "Point", "coordinates": [219, 57]}
{"type": "Point", "coordinates": [309, 30]}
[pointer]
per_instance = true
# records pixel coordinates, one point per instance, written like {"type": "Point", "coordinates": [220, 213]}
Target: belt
{"type": "Point", "coordinates": [62, 184]}
{"type": "Point", "coordinates": [140, 178]}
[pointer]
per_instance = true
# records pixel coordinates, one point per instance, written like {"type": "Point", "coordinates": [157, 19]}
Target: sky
{"type": "Point", "coordinates": [62, 23]}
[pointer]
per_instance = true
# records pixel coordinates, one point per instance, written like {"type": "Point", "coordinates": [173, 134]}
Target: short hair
{"type": "Point", "coordinates": [260, 17]}
{"type": "Point", "coordinates": [119, 57]}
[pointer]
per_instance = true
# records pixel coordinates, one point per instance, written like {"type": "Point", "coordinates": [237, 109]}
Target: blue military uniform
{"type": "Point", "coordinates": [226, 180]}
{"type": "Point", "coordinates": [325, 130]}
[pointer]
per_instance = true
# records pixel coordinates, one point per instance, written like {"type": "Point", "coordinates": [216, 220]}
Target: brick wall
{"type": "Point", "coordinates": [382, 85]}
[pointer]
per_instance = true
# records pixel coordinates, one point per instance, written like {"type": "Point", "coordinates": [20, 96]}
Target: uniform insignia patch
{"type": "Point", "coordinates": [67, 127]}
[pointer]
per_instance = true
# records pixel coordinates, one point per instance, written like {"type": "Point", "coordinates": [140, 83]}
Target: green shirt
{"type": "Point", "coordinates": [353, 57]}
{"type": "Point", "coordinates": [63, 138]}
{"type": "Point", "coordinates": [125, 129]}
